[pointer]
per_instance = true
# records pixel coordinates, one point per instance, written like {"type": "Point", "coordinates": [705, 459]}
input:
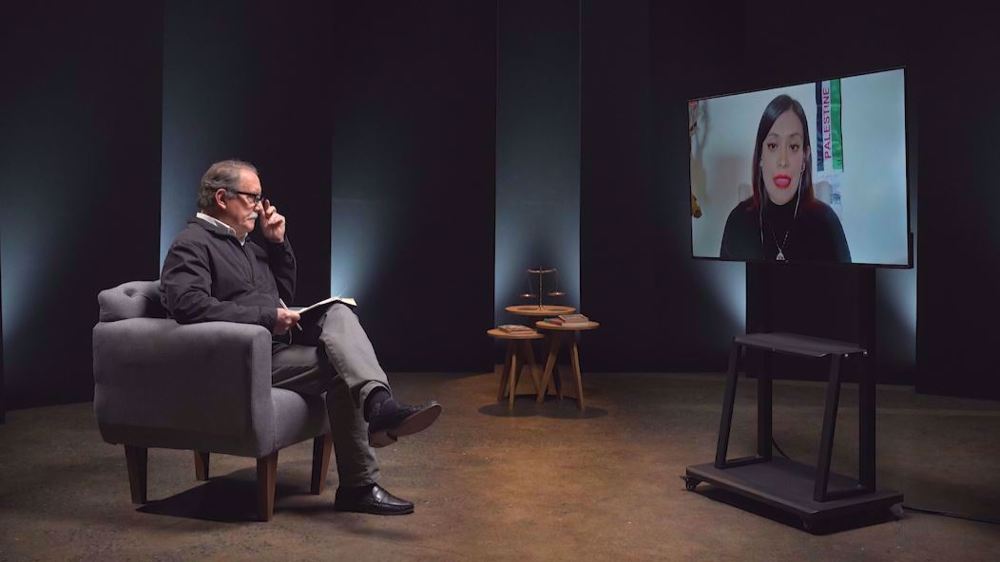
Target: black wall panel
{"type": "Point", "coordinates": [537, 151]}
{"type": "Point", "coordinates": [79, 173]}
{"type": "Point", "coordinates": [413, 126]}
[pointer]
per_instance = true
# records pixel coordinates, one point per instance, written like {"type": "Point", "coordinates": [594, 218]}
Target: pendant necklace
{"type": "Point", "coordinates": [781, 247]}
{"type": "Point", "coordinates": [795, 214]}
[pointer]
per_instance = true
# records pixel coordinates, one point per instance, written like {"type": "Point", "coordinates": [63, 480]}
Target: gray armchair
{"type": "Point", "coordinates": [203, 387]}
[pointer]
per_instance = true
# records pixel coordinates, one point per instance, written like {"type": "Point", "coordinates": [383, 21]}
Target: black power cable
{"type": "Point", "coordinates": [780, 452]}
{"type": "Point", "coordinates": [917, 509]}
{"type": "Point", "coordinates": [950, 514]}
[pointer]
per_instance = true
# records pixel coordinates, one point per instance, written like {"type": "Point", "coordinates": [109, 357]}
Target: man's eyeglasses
{"type": "Point", "coordinates": [254, 197]}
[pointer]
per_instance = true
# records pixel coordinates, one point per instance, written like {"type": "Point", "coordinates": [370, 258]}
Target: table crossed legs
{"type": "Point", "coordinates": [555, 343]}
{"type": "Point", "coordinates": [519, 356]}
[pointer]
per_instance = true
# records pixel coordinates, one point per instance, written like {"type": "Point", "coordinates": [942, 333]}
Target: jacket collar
{"type": "Point", "coordinates": [215, 226]}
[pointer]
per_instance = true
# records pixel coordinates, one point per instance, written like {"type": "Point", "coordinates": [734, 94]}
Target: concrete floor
{"type": "Point", "coordinates": [540, 483]}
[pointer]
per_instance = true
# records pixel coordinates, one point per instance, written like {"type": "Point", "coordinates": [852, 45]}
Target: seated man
{"type": "Point", "coordinates": [214, 272]}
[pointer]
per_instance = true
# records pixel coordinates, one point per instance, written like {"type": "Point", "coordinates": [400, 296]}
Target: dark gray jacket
{"type": "Point", "coordinates": [208, 276]}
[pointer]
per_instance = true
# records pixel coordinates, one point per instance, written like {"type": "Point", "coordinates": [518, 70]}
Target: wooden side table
{"type": "Point", "coordinates": [557, 332]}
{"type": "Point", "coordinates": [518, 349]}
{"type": "Point", "coordinates": [535, 312]}
{"type": "Point", "coordinates": [546, 311]}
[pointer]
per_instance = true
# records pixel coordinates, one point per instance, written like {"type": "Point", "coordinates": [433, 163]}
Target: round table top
{"type": "Point", "coordinates": [504, 335]}
{"type": "Point", "coordinates": [545, 310]}
{"type": "Point", "coordinates": [567, 327]}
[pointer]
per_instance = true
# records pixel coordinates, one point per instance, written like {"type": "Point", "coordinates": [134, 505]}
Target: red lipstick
{"type": "Point", "coordinates": [781, 181]}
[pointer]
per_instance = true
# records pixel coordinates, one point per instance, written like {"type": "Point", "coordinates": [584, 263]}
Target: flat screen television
{"type": "Point", "coordinates": [809, 173]}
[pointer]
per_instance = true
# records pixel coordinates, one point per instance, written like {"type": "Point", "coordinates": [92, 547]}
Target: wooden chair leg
{"type": "Point", "coordinates": [321, 461]}
{"type": "Point", "coordinates": [136, 459]}
{"type": "Point", "coordinates": [201, 465]}
{"type": "Point", "coordinates": [267, 472]}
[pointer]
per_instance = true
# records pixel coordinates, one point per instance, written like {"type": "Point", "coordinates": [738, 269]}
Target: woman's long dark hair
{"type": "Point", "coordinates": [773, 110]}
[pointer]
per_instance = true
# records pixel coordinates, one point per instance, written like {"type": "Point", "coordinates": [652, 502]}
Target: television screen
{"type": "Point", "coordinates": [812, 173]}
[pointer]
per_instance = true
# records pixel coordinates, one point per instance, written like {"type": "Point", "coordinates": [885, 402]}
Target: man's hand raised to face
{"type": "Point", "coordinates": [284, 321]}
{"type": "Point", "coordinates": [272, 223]}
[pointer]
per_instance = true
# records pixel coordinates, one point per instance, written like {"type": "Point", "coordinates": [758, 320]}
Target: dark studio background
{"type": "Point", "coordinates": [427, 152]}
{"type": "Point", "coordinates": [79, 173]}
{"type": "Point", "coordinates": [538, 154]}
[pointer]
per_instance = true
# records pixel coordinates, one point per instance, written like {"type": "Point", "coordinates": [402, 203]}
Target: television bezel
{"type": "Point", "coordinates": [907, 148]}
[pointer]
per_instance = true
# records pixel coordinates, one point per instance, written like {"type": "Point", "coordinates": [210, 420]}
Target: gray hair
{"type": "Point", "coordinates": [221, 175]}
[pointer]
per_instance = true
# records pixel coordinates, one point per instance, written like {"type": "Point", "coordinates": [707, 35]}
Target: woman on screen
{"type": "Point", "coordinates": [783, 220]}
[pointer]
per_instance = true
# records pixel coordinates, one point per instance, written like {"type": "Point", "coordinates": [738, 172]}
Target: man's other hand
{"type": "Point", "coordinates": [272, 223]}
{"type": "Point", "coordinates": [285, 320]}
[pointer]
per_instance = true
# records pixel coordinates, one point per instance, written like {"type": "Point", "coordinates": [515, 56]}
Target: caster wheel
{"type": "Point", "coordinates": [896, 511]}
{"type": "Point", "coordinates": [690, 483]}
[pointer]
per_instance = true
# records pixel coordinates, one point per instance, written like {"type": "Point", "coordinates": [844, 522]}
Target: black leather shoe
{"type": "Point", "coordinates": [371, 499]}
{"type": "Point", "coordinates": [385, 428]}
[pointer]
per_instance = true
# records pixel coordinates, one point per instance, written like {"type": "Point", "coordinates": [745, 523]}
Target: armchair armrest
{"type": "Point", "coordinates": [198, 386]}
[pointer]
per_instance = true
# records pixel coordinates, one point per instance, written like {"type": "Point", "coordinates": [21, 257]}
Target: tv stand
{"type": "Point", "coordinates": [818, 498]}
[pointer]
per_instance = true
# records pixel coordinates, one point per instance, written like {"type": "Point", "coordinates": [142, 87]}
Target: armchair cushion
{"type": "Point", "coordinates": [135, 299]}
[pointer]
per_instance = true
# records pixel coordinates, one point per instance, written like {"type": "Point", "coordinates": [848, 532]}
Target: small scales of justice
{"type": "Point", "coordinates": [553, 291]}
{"type": "Point", "coordinates": [543, 284]}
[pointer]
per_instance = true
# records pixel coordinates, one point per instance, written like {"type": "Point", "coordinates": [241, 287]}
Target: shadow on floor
{"type": "Point", "coordinates": [227, 499]}
{"type": "Point", "coordinates": [221, 499]}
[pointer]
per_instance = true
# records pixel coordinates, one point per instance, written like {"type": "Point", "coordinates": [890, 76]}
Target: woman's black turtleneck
{"type": "Point", "coordinates": [779, 228]}
{"type": "Point", "coordinates": [814, 233]}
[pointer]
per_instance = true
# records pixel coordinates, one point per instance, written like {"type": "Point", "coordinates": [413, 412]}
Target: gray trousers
{"type": "Point", "coordinates": [335, 357]}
